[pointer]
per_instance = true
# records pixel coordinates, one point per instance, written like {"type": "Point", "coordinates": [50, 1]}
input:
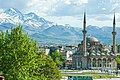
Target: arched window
{"type": "Point", "coordinates": [89, 62]}
{"type": "Point", "coordinates": [104, 62]}
{"type": "Point", "coordinates": [94, 62]}
{"type": "Point", "coordinates": [99, 62]}
{"type": "Point", "coordinates": [108, 62]}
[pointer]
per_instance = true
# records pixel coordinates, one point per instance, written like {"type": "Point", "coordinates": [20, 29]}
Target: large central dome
{"type": "Point", "coordinates": [92, 39]}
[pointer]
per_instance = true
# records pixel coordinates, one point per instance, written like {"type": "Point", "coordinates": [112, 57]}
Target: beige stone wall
{"type": "Point", "coordinates": [79, 61]}
{"type": "Point", "coordinates": [103, 63]}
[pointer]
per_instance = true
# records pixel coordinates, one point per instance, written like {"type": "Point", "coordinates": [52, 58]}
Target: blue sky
{"type": "Point", "coordinates": [99, 12]}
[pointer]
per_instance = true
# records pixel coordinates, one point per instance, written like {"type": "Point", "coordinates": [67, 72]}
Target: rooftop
{"type": "Point", "coordinates": [92, 39]}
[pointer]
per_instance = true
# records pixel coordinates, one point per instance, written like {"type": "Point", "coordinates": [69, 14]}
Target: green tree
{"type": "Point", "coordinates": [118, 60]}
{"type": "Point", "coordinates": [57, 58]}
{"type": "Point", "coordinates": [47, 68]}
{"type": "Point", "coordinates": [20, 60]}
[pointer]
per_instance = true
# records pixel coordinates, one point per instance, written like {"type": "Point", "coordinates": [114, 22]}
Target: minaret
{"type": "Point", "coordinates": [114, 35]}
{"type": "Point", "coordinates": [84, 35]}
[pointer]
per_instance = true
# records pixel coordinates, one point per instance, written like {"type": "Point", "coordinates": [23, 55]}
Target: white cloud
{"type": "Point", "coordinates": [80, 2]}
{"type": "Point", "coordinates": [72, 20]}
{"type": "Point", "coordinates": [55, 7]}
{"type": "Point", "coordinates": [103, 8]}
{"type": "Point", "coordinates": [18, 4]}
{"type": "Point", "coordinates": [68, 2]}
{"type": "Point", "coordinates": [41, 7]}
{"type": "Point", "coordinates": [99, 12]}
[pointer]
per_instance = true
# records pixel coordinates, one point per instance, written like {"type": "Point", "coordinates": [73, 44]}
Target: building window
{"type": "Point", "coordinates": [94, 62]}
{"type": "Point", "coordinates": [113, 64]}
{"type": "Point", "coordinates": [104, 62]}
{"type": "Point", "coordinates": [99, 62]}
{"type": "Point", "coordinates": [110, 65]}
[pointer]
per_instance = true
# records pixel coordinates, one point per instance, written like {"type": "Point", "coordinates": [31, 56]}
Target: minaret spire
{"type": "Point", "coordinates": [84, 17]}
{"type": "Point", "coordinates": [114, 23]}
{"type": "Point", "coordinates": [84, 35]}
{"type": "Point", "coordinates": [114, 35]}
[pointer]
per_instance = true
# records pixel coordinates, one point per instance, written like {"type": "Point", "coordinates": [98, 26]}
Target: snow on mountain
{"type": "Point", "coordinates": [49, 32]}
{"type": "Point", "coordinates": [33, 16]}
{"type": "Point", "coordinates": [11, 15]}
{"type": "Point", "coordinates": [15, 17]}
{"type": "Point", "coordinates": [34, 20]}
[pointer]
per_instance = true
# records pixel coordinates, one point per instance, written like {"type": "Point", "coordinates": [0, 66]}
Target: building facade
{"type": "Point", "coordinates": [92, 54]}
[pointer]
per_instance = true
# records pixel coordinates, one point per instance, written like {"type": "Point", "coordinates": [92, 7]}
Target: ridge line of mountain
{"type": "Point", "coordinates": [49, 32]}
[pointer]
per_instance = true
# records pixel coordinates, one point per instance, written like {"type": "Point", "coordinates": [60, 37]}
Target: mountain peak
{"type": "Point", "coordinates": [67, 25]}
{"type": "Point", "coordinates": [12, 11]}
{"type": "Point", "coordinates": [91, 27]}
{"type": "Point", "coordinates": [32, 14]}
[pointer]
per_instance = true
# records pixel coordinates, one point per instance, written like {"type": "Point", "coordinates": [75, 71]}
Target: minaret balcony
{"type": "Point", "coordinates": [84, 31]}
{"type": "Point", "coordinates": [114, 33]}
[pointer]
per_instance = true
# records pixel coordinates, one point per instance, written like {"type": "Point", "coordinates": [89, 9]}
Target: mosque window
{"type": "Point", "coordinates": [110, 65]}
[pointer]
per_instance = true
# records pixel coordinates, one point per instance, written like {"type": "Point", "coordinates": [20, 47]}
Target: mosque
{"type": "Point", "coordinates": [92, 54]}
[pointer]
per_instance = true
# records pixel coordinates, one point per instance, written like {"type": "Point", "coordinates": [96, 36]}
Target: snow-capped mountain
{"type": "Point", "coordinates": [15, 17]}
{"type": "Point", "coordinates": [45, 31]}
{"type": "Point", "coordinates": [34, 25]}
{"type": "Point", "coordinates": [11, 15]}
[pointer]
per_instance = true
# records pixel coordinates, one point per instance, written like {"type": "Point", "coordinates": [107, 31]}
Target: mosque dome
{"type": "Point", "coordinates": [92, 39]}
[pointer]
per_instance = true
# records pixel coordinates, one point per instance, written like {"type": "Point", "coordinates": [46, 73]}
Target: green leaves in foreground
{"type": "Point", "coordinates": [20, 60]}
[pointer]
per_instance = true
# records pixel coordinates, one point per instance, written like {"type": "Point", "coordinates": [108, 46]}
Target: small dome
{"type": "Point", "coordinates": [93, 54]}
{"type": "Point", "coordinates": [112, 54]}
{"type": "Point", "coordinates": [98, 54]}
{"type": "Point", "coordinates": [103, 54]}
{"type": "Point", "coordinates": [108, 54]}
{"type": "Point", "coordinates": [92, 39]}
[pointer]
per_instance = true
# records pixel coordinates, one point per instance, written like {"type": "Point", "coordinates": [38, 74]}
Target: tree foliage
{"type": "Point", "coordinates": [118, 60]}
{"type": "Point", "coordinates": [20, 59]}
{"type": "Point", "coordinates": [57, 58]}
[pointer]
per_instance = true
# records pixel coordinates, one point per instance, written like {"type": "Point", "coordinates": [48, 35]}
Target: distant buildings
{"type": "Point", "coordinates": [69, 50]}
{"type": "Point", "coordinates": [44, 49]}
{"type": "Point", "coordinates": [66, 52]}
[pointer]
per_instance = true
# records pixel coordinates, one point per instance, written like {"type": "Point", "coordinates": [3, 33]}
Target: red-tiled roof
{"type": "Point", "coordinates": [68, 62]}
